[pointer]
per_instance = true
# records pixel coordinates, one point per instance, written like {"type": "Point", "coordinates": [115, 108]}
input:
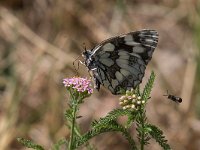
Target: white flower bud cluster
{"type": "Point", "coordinates": [131, 101]}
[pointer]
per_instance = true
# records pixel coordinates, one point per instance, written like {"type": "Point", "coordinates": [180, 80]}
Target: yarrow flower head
{"type": "Point", "coordinates": [131, 101]}
{"type": "Point", "coordinates": [82, 85]}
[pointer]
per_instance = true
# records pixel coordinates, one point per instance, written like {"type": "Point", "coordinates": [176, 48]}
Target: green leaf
{"type": "Point", "coordinates": [148, 87]}
{"type": "Point", "coordinates": [111, 127]}
{"type": "Point", "coordinates": [68, 114]}
{"type": "Point", "coordinates": [142, 129]}
{"type": "Point", "coordinates": [61, 142]}
{"type": "Point", "coordinates": [113, 115]}
{"type": "Point", "coordinates": [29, 144]}
{"type": "Point", "coordinates": [137, 91]}
{"type": "Point", "coordinates": [157, 134]}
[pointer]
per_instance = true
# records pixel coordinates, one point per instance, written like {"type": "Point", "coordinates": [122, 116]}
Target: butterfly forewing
{"type": "Point", "coordinates": [120, 62]}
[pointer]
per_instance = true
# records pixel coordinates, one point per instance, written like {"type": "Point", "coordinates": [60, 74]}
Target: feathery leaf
{"type": "Point", "coordinates": [148, 87]}
{"type": "Point", "coordinates": [113, 115]}
{"type": "Point", "coordinates": [112, 126]}
{"type": "Point", "coordinates": [29, 144]}
{"type": "Point", "coordinates": [157, 134]}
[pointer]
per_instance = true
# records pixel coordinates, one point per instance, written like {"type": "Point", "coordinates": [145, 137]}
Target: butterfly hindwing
{"type": "Point", "coordinates": [120, 62]}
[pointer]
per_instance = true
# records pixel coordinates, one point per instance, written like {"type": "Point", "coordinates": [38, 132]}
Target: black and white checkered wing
{"type": "Point", "coordinates": [120, 62]}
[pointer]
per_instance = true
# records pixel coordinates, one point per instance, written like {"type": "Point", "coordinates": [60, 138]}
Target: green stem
{"type": "Point", "coordinates": [74, 105]}
{"type": "Point", "coordinates": [142, 124]}
{"type": "Point", "coordinates": [71, 143]}
{"type": "Point", "coordinates": [142, 140]}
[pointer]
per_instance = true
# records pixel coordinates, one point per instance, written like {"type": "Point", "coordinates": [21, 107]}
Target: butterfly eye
{"type": "Point", "coordinates": [84, 53]}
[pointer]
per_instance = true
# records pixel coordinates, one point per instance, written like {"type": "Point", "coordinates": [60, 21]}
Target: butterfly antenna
{"type": "Point", "coordinates": [75, 66]}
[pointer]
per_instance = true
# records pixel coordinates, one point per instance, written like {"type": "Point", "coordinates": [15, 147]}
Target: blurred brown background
{"type": "Point", "coordinates": [40, 39]}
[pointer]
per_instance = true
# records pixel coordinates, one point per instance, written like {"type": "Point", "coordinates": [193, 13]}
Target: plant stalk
{"type": "Point", "coordinates": [142, 124]}
{"type": "Point", "coordinates": [71, 143]}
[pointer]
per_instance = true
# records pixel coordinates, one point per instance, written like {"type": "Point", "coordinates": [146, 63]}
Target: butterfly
{"type": "Point", "coordinates": [120, 62]}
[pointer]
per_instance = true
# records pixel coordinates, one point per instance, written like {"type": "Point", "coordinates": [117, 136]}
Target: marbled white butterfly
{"type": "Point", "coordinates": [120, 62]}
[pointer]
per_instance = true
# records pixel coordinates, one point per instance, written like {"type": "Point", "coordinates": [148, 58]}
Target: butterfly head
{"type": "Point", "coordinates": [86, 54]}
{"type": "Point", "coordinates": [87, 57]}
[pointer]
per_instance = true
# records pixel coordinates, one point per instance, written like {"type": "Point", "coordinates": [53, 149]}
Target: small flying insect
{"type": "Point", "coordinates": [173, 98]}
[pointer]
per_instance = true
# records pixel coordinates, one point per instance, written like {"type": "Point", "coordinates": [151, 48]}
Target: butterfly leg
{"type": "Point", "coordinates": [83, 63]}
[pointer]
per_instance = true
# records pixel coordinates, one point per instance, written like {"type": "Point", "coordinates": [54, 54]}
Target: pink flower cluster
{"type": "Point", "coordinates": [80, 84]}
